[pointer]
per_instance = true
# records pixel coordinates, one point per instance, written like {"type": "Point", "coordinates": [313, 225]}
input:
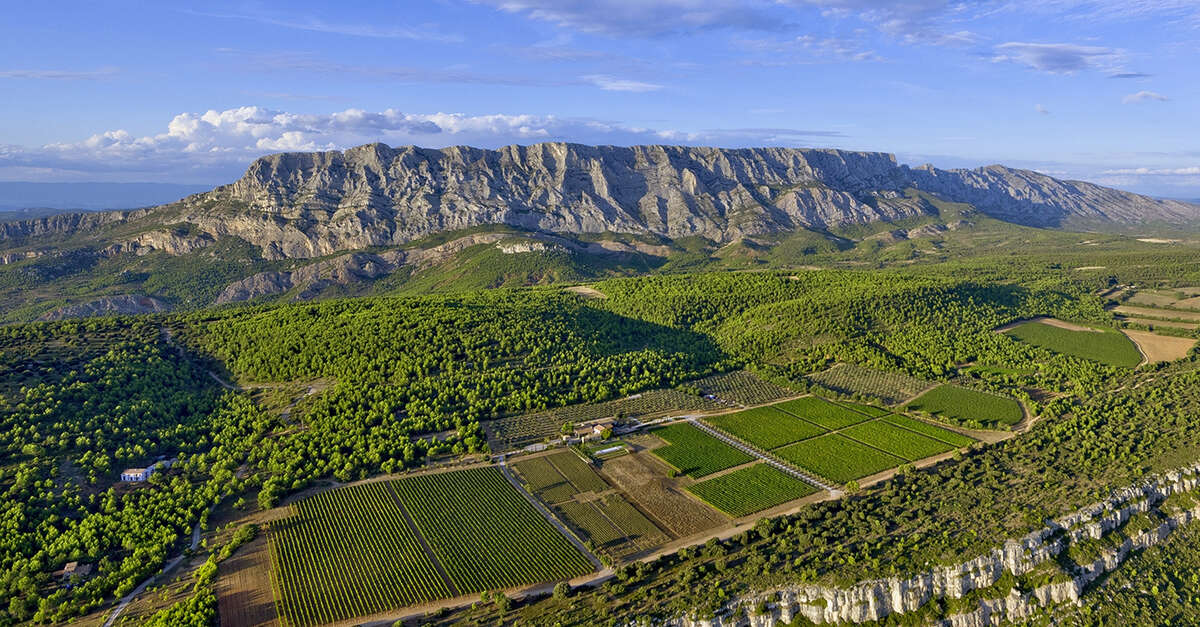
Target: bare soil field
{"type": "Point", "coordinates": [1163, 323]}
{"type": "Point", "coordinates": [647, 484]}
{"type": "Point", "coordinates": [589, 292]}
{"type": "Point", "coordinates": [1150, 312]}
{"type": "Point", "coordinates": [1054, 322]}
{"type": "Point", "coordinates": [244, 595]}
{"type": "Point", "coordinates": [1156, 348]}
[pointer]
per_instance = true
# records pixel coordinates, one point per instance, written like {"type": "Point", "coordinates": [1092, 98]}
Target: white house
{"type": "Point", "coordinates": [136, 474]}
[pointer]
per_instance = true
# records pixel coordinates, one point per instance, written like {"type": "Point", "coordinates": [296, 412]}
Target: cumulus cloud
{"type": "Point", "coordinates": [1057, 58]}
{"type": "Point", "coordinates": [1143, 96]}
{"type": "Point", "coordinates": [217, 145]}
{"type": "Point", "coordinates": [609, 83]}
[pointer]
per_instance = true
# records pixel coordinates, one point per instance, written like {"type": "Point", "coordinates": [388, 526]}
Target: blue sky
{"type": "Point", "coordinates": [1102, 90]}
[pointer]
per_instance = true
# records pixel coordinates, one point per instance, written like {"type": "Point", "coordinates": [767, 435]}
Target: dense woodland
{"type": "Point", "coordinates": [406, 378]}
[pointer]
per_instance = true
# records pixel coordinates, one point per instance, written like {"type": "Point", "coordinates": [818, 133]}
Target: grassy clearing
{"type": "Point", "coordinates": [696, 453]}
{"type": "Point", "coordinates": [972, 407]}
{"type": "Point", "coordinates": [897, 441]}
{"type": "Point", "coordinates": [749, 490]}
{"type": "Point", "coordinates": [1106, 346]}
{"type": "Point", "coordinates": [766, 427]}
{"type": "Point", "coordinates": [822, 412]}
{"type": "Point", "coordinates": [935, 432]}
{"type": "Point", "coordinates": [838, 458]}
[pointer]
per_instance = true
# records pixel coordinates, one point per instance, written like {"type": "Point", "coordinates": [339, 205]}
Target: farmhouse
{"type": "Point", "coordinates": [136, 474]}
{"type": "Point", "coordinates": [75, 569]}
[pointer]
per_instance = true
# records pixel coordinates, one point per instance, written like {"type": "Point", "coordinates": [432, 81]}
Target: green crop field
{"type": "Point", "coordinates": [838, 458]}
{"type": "Point", "coordinates": [749, 490]}
{"type": "Point", "coordinates": [347, 553]}
{"type": "Point", "coordinates": [822, 412]}
{"type": "Point", "coordinates": [578, 472]}
{"type": "Point", "coordinates": [895, 440]}
{"type": "Point", "coordinates": [889, 387]}
{"type": "Point", "coordinates": [962, 404]}
{"type": "Point", "coordinates": [593, 526]}
{"type": "Point", "coordinates": [1106, 346]}
{"type": "Point", "coordinates": [612, 525]}
{"type": "Point", "coordinates": [765, 427]}
{"type": "Point", "coordinates": [742, 387]}
{"type": "Point", "coordinates": [353, 551]}
{"type": "Point", "coordinates": [696, 453]}
{"type": "Point", "coordinates": [933, 431]}
{"type": "Point", "coordinates": [484, 533]}
{"type": "Point", "coordinates": [545, 480]}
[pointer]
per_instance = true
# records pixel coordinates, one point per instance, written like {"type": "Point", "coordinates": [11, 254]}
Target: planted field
{"type": "Point", "coordinates": [347, 553]}
{"type": "Point", "coordinates": [935, 432]}
{"type": "Point", "coordinates": [579, 473]}
{"type": "Point", "coordinates": [545, 480]}
{"type": "Point", "coordinates": [640, 476]}
{"type": "Point", "coordinates": [592, 525]}
{"type": "Point", "coordinates": [822, 412]}
{"type": "Point", "coordinates": [696, 453]}
{"type": "Point", "coordinates": [897, 441]}
{"type": "Point", "coordinates": [612, 525]}
{"type": "Point", "coordinates": [969, 406]}
{"type": "Point", "coordinates": [890, 387]}
{"type": "Point", "coordinates": [749, 490]}
{"type": "Point", "coordinates": [484, 533]}
{"type": "Point", "coordinates": [838, 458]}
{"type": "Point", "coordinates": [1103, 345]}
{"type": "Point", "coordinates": [743, 388]}
{"type": "Point", "coordinates": [765, 427]}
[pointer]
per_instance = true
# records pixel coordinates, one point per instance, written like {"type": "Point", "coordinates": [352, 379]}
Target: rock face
{"type": "Point", "coordinates": [108, 306]}
{"type": "Point", "coordinates": [305, 205]}
{"type": "Point", "coordinates": [876, 599]}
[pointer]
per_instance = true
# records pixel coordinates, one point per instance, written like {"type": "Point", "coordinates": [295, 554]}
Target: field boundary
{"type": "Point", "coordinates": [766, 457]}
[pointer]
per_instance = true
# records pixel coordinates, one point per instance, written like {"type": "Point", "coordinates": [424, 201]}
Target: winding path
{"type": "Point", "coordinates": [738, 444]}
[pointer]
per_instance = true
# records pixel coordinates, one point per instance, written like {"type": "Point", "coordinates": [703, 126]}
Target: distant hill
{"type": "Point", "coordinates": [40, 199]}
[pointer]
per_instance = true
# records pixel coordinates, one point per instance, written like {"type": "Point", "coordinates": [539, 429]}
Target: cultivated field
{"type": "Point", "coordinates": [890, 387]}
{"type": "Point", "coordinates": [838, 458]}
{"type": "Point", "coordinates": [1106, 346]}
{"type": "Point", "coordinates": [1159, 348]}
{"type": "Point", "coordinates": [244, 594]}
{"type": "Point", "coordinates": [696, 453]}
{"type": "Point", "coordinates": [517, 431]}
{"type": "Point", "coordinates": [743, 388]}
{"type": "Point", "coordinates": [826, 414]}
{"type": "Point", "coordinates": [766, 427]}
{"type": "Point", "coordinates": [1157, 312]}
{"type": "Point", "coordinates": [933, 431]}
{"type": "Point", "coordinates": [897, 441]}
{"type": "Point", "coordinates": [641, 477]}
{"type": "Point", "coordinates": [612, 525]}
{"type": "Point", "coordinates": [960, 404]}
{"type": "Point", "coordinates": [751, 489]}
{"type": "Point", "coordinates": [383, 545]}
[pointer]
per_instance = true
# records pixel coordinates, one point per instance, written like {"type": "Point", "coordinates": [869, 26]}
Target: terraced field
{"type": "Point", "coordinates": [377, 546]}
{"type": "Point", "coordinates": [751, 489]}
{"type": "Point", "coordinates": [696, 453]}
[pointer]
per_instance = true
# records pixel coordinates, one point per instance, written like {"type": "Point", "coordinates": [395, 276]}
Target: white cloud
{"type": "Point", "coordinates": [1058, 58]}
{"type": "Point", "coordinates": [1041, 109]}
{"type": "Point", "coordinates": [1188, 171]}
{"type": "Point", "coordinates": [59, 75]}
{"type": "Point", "coordinates": [217, 145]}
{"type": "Point", "coordinates": [609, 83]}
{"type": "Point", "coordinates": [645, 18]}
{"type": "Point", "coordinates": [423, 32]}
{"type": "Point", "coordinates": [1143, 96]}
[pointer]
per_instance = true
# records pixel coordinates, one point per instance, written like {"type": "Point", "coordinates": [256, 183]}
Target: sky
{"type": "Point", "coordinates": [119, 91]}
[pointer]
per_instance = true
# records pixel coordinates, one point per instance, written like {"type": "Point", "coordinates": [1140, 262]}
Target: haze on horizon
{"type": "Point", "coordinates": [117, 91]}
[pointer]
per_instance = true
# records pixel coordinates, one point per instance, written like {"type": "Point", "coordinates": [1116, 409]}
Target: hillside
{"type": "Point", "coordinates": [372, 218]}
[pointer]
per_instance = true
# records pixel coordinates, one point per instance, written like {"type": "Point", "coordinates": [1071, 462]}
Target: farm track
{"type": "Point", "coordinates": [548, 515]}
{"type": "Point", "coordinates": [766, 457]}
{"type": "Point", "coordinates": [412, 526]}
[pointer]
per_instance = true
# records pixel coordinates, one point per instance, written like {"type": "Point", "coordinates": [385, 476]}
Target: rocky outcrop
{"type": "Point", "coordinates": [108, 306]}
{"type": "Point", "coordinates": [877, 599]}
{"type": "Point", "coordinates": [308, 205]}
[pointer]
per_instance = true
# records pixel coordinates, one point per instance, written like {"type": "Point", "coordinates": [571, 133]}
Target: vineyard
{"type": "Point", "coordinates": [890, 387]}
{"type": "Point", "coordinates": [347, 553]}
{"type": "Point", "coordinates": [612, 525]}
{"type": "Point", "coordinates": [971, 407]}
{"type": "Point", "coordinates": [935, 432]}
{"type": "Point", "coordinates": [822, 412]}
{"type": "Point", "coordinates": [897, 441]}
{"type": "Point", "coordinates": [743, 388]}
{"type": "Point", "coordinates": [838, 458]}
{"type": "Point", "coordinates": [696, 453]}
{"type": "Point", "coordinates": [1103, 345]}
{"type": "Point", "coordinates": [372, 547]}
{"type": "Point", "coordinates": [749, 490]}
{"type": "Point", "coordinates": [558, 477]}
{"type": "Point", "coordinates": [765, 427]}
{"type": "Point", "coordinates": [517, 431]}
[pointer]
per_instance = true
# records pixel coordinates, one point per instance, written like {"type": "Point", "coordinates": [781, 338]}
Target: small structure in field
{"type": "Point", "coordinates": [136, 475]}
{"type": "Point", "coordinates": [73, 570]}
